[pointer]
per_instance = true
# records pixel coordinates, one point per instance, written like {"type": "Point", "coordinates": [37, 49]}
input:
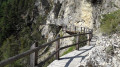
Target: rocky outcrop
{"type": "Point", "coordinates": [105, 53]}
{"type": "Point", "coordinates": [69, 14]}
{"type": "Point", "coordinates": [80, 13]}
{"type": "Point", "coordinates": [104, 7]}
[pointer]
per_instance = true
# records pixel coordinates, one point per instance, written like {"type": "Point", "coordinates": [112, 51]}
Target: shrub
{"type": "Point", "coordinates": [110, 50]}
{"type": "Point", "coordinates": [110, 22]}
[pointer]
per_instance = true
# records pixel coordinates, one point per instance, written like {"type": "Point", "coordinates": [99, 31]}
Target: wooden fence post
{"type": "Point", "coordinates": [34, 56]}
{"type": "Point", "coordinates": [86, 30]}
{"type": "Point", "coordinates": [88, 37]}
{"type": "Point", "coordinates": [77, 41]}
{"type": "Point", "coordinates": [83, 30]}
{"type": "Point", "coordinates": [57, 47]}
{"type": "Point", "coordinates": [91, 34]}
{"type": "Point", "coordinates": [75, 29]}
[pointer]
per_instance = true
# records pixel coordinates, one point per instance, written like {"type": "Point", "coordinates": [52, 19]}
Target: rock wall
{"type": "Point", "coordinates": [103, 7]}
{"type": "Point", "coordinates": [80, 13]}
{"type": "Point", "coordinates": [74, 13]}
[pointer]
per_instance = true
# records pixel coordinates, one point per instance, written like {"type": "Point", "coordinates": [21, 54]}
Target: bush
{"type": "Point", "coordinates": [110, 50]}
{"type": "Point", "coordinates": [110, 23]}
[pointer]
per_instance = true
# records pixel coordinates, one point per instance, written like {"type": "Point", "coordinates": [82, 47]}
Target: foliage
{"type": "Point", "coordinates": [48, 62]}
{"type": "Point", "coordinates": [15, 34]}
{"type": "Point", "coordinates": [11, 20]}
{"type": "Point", "coordinates": [83, 38]}
{"type": "Point", "coordinates": [111, 23]}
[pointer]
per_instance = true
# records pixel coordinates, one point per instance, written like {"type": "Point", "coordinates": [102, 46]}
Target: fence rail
{"type": "Point", "coordinates": [33, 52]}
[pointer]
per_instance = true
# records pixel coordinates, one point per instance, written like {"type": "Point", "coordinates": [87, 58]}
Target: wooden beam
{"type": "Point", "coordinates": [33, 56]}
{"type": "Point", "coordinates": [77, 41]}
{"type": "Point", "coordinates": [88, 37]}
{"type": "Point", "coordinates": [57, 47]}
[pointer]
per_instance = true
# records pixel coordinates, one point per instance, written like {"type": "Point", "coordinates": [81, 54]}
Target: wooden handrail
{"type": "Point", "coordinates": [19, 56]}
{"type": "Point", "coordinates": [58, 51]}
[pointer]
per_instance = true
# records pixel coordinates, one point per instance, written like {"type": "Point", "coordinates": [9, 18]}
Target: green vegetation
{"type": "Point", "coordinates": [11, 20]}
{"type": "Point", "coordinates": [61, 33]}
{"type": "Point", "coordinates": [48, 62]}
{"type": "Point", "coordinates": [110, 50]}
{"type": "Point", "coordinates": [70, 49]}
{"type": "Point", "coordinates": [111, 23]}
{"type": "Point", "coordinates": [17, 31]}
{"type": "Point", "coordinates": [83, 38]}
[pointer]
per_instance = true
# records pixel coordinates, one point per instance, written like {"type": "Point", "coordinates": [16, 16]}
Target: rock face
{"type": "Point", "coordinates": [81, 13]}
{"type": "Point", "coordinates": [103, 7]}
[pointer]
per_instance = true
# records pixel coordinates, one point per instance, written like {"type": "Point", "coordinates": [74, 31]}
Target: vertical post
{"type": "Point", "coordinates": [34, 56]}
{"type": "Point", "coordinates": [75, 29]}
{"type": "Point", "coordinates": [88, 37]}
{"type": "Point", "coordinates": [77, 41]}
{"type": "Point", "coordinates": [57, 47]}
{"type": "Point", "coordinates": [65, 28]}
{"type": "Point", "coordinates": [91, 34]}
{"type": "Point", "coordinates": [86, 30]}
{"type": "Point", "coordinates": [83, 30]}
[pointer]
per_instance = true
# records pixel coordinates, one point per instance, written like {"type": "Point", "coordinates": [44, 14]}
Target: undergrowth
{"type": "Point", "coordinates": [110, 23]}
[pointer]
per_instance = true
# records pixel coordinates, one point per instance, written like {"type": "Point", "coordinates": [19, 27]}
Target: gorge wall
{"type": "Point", "coordinates": [74, 13]}
{"type": "Point", "coordinates": [79, 13]}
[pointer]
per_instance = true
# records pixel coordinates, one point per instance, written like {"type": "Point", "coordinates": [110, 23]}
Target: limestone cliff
{"type": "Point", "coordinates": [69, 14]}
{"type": "Point", "coordinates": [79, 13]}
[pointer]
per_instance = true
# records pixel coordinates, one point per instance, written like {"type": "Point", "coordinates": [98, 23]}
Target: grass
{"type": "Point", "coordinates": [82, 38]}
{"type": "Point", "coordinates": [110, 23]}
{"type": "Point", "coordinates": [69, 50]}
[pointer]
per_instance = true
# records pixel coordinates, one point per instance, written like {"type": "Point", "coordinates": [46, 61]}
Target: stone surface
{"type": "Point", "coordinates": [81, 13]}
{"type": "Point", "coordinates": [106, 52]}
{"type": "Point", "coordinates": [72, 59]}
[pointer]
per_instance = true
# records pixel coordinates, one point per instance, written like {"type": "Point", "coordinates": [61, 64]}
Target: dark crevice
{"type": "Point", "coordinates": [46, 4]}
{"type": "Point", "coordinates": [95, 2]}
{"type": "Point", "coordinates": [57, 9]}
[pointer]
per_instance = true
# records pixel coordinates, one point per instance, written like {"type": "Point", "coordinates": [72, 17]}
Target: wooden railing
{"type": "Point", "coordinates": [33, 52]}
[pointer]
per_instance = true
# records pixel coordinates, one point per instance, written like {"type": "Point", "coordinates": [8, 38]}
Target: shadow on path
{"type": "Point", "coordinates": [76, 56]}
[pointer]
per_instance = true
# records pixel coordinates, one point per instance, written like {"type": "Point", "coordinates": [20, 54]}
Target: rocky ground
{"type": "Point", "coordinates": [105, 54]}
